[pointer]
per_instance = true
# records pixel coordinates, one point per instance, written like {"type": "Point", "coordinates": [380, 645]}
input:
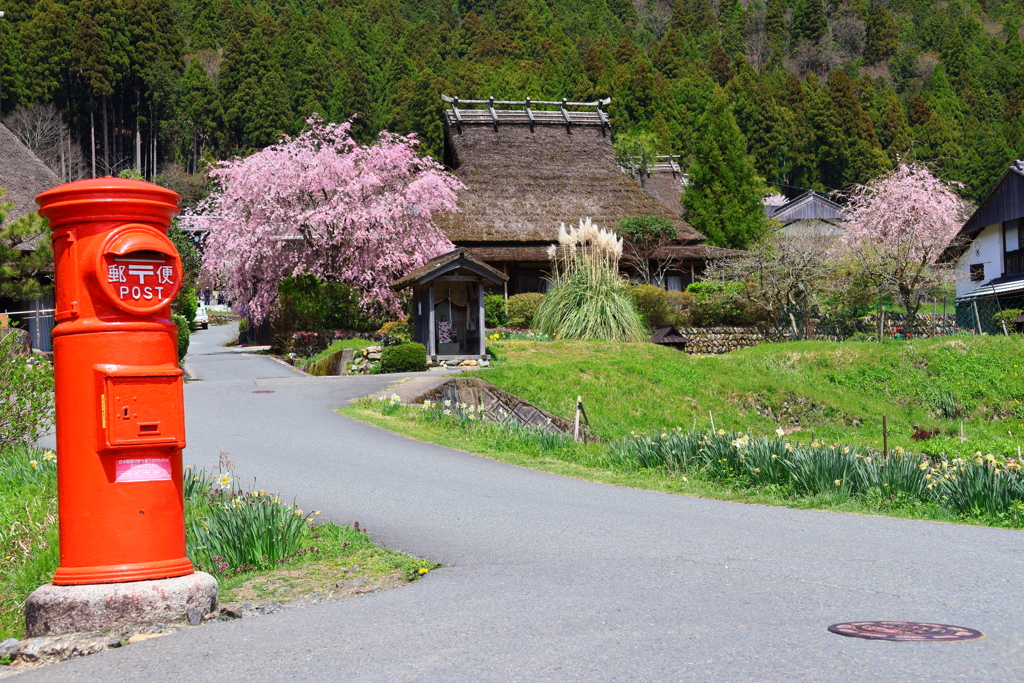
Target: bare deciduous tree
{"type": "Point", "coordinates": [782, 274]}
{"type": "Point", "coordinates": [41, 128]}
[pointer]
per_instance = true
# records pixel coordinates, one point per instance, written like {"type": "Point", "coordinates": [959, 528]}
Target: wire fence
{"type": "Point", "coordinates": [971, 316]}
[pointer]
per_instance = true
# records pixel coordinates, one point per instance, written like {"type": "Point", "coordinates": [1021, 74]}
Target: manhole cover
{"type": "Point", "coordinates": [264, 391]}
{"type": "Point", "coordinates": [903, 630]}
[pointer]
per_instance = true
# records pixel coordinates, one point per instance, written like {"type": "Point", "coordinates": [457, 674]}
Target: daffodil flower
{"type": "Point", "coordinates": [780, 432]}
{"type": "Point", "coordinates": [33, 463]}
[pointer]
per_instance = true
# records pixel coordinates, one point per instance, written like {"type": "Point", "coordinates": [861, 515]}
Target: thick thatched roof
{"type": "Point", "coordinates": [525, 177]}
{"type": "Point", "coordinates": [22, 174]}
{"type": "Point", "coordinates": [695, 252]}
{"type": "Point", "coordinates": [447, 263]}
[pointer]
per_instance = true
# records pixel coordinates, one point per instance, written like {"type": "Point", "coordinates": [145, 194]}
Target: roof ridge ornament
{"type": "Point", "coordinates": [528, 111]}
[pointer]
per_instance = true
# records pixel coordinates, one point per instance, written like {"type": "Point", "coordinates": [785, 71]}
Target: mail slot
{"type": "Point", "coordinates": [119, 391]}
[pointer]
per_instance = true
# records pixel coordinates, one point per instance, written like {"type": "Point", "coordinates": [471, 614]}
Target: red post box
{"type": "Point", "coordinates": [120, 410]}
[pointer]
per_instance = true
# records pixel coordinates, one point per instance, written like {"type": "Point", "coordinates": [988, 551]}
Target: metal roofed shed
{"type": "Point", "coordinates": [448, 305]}
{"type": "Point", "coordinates": [809, 214]}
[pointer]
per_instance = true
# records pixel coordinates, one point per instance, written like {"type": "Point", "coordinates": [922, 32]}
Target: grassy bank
{"type": "Point", "coordinates": [838, 391]}
{"type": "Point", "coordinates": [794, 424]}
{"type": "Point", "coordinates": [257, 545]}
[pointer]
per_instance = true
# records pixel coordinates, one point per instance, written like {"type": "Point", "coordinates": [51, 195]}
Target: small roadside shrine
{"type": "Point", "coordinates": [448, 305]}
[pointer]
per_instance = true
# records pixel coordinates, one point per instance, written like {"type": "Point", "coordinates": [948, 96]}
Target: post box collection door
{"type": "Point", "coordinates": [119, 390]}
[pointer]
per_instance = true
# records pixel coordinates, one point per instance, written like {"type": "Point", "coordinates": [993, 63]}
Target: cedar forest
{"type": "Point", "coordinates": [791, 94]}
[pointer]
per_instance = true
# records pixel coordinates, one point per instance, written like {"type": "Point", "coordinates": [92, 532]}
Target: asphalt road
{"type": "Point", "coordinates": [555, 579]}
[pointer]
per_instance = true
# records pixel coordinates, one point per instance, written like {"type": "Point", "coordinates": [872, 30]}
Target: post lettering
{"type": "Point", "coordinates": [124, 291]}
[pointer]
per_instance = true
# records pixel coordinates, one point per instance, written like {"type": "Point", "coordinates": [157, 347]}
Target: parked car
{"type": "Point", "coordinates": [202, 317]}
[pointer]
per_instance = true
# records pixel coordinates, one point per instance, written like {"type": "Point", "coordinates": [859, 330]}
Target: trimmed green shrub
{"type": "Point", "coordinates": [717, 304]}
{"type": "Point", "coordinates": [404, 358]}
{"type": "Point", "coordinates": [681, 303]}
{"type": "Point", "coordinates": [184, 334]}
{"type": "Point", "coordinates": [522, 308]}
{"type": "Point", "coordinates": [495, 314]}
{"type": "Point", "coordinates": [653, 304]}
{"type": "Point", "coordinates": [186, 304]}
{"type": "Point", "coordinates": [396, 332]}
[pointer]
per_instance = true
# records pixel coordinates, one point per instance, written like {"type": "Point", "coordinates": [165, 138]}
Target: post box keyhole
{"type": "Point", "coordinates": [125, 412]}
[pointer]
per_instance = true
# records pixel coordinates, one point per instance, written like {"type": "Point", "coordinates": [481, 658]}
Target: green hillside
{"type": "Point", "coordinates": [821, 95]}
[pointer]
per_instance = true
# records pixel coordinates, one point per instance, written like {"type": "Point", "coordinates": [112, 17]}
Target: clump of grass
{"type": "Point", "coordinates": [28, 530]}
{"type": "Point", "coordinates": [980, 487]}
{"type": "Point", "coordinates": [589, 299]}
{"type": "Point", "coordinates": [230, 530]}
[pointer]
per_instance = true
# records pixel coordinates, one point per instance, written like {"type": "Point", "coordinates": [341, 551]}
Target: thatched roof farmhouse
{"type": "Point", "coordinates": [22, 175]}
{"type": "Point", "coordinates": [530, 166]}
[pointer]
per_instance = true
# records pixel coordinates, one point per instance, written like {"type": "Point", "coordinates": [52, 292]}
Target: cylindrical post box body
{"type": "Point", "coordinates": [119, 401]}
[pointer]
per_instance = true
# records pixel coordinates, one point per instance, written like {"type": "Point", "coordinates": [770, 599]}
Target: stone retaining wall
{"type": "Point", "coordinates": [722, 339]}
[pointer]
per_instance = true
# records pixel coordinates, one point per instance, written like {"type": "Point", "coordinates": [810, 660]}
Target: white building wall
{"type": "Point", "coordinates": [987, 248]}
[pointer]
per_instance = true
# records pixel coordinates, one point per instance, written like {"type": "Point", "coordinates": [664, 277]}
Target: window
{"type": "Point", "coordinates": [1011, 234]}
{"type": "Point", "coordinates": [977, 272]}
{"type": "Point", "coordinates": [674, 283]}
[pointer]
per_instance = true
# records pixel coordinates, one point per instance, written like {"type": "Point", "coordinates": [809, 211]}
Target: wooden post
{"type": "Point", "coordinates": [483, 325]}
{"type": "Point", "coordinates": [1006, 332]}
{"type": "Point", "coordinates": [977, 318]}
{"type": "Point", "coordinates": [885, 437]}
{"type": "Point", "coordinates": [431, 346]}
{"type": "Point", "coordinates": [576, 429]}
{"type": "Point", "coordinates": [881, 320]}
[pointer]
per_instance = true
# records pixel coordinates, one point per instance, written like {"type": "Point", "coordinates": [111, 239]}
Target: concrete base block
{"type": "Point", "coordinates": [55, 610]}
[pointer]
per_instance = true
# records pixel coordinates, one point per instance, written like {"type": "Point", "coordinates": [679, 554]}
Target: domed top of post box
{"type": "Point", "coordinates": [108, 199]}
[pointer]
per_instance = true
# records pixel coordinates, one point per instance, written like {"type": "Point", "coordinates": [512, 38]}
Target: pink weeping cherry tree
{"type": "Point", "coordinates": [323, 205]}
{"type": "Point", "coordinates": [897, 227]}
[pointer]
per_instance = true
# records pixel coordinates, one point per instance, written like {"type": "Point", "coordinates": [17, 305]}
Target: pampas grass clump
{"type": "Point", "coordinates": [589, 299]}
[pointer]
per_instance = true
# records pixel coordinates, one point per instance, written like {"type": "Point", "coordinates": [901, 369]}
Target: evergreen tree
{"type": "Point", "coordinates": [200, 110]}
{"type": "Point", "coordinates": [882, 35]}
{"type": "Point", "coordinates": [893, 129]}
{"type": "Point", "coordinates": [775, 23]}
{"type": "Point", "coordinates": [720, 65]}
{"type": "Point", "coordinates": [723, 200]}
{"type": "Point", "coordinates": [939, 142]}
{"type": "Point", "coordinates": [46, 42]}
{"type": "Point", "coordinates": [261, 112]}
{"type": "Point", "coordinates": [771, 140]}
{"type": "Point", "coordinates": [809, 21]}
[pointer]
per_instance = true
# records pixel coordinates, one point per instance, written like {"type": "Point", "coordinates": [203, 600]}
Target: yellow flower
{"type": "Point", "coordinates": [317, 512]}
{"type": "Point", "coordinates": [423, 570]}
{"type": "Point", "coordinates": [721, 432]}
{"type": "Point", "coordinates": [838, 482]}
{"type": "Point", "coordinates": [195, 478]}
{"type": "Point", "coordinates": [49, 456]}
{"type": "Point", "coordinates": [780, 432]}
{"type": "Point", "coordinates": [187, 467]}
{"type": "Point", "coordinates": [263, 492]}
{"type": "Point", "coordinates": [33, 463]}
{"type": "Point", "coordinates": [757, 469]}
{"type": "Point", "coordinates": [298, 512]}
{"type": "Point", "coordinates": [223, 480]}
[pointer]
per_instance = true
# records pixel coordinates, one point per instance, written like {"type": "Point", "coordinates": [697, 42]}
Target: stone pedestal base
{"type": "Point", "coordinates": [55, 610]}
